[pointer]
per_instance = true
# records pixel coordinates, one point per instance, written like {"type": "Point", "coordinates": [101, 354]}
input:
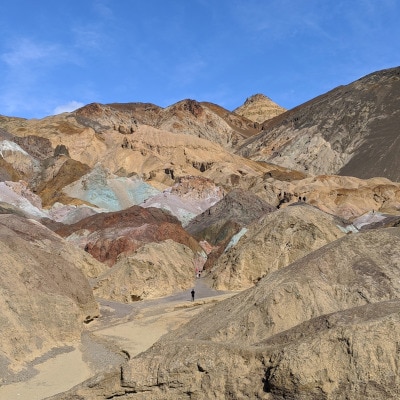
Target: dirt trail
{"type": "Point", "coordinates": [124, 330]}
{"type": "Point", "coordinates": [135, 327]}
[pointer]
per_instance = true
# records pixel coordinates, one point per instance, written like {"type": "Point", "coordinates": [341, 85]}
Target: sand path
{"type": "Point", "coordinates": [131, 328]}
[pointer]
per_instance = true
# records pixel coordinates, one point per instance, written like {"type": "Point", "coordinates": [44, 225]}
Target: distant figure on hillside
{"type": "Point", "coordinates": [192, 294]}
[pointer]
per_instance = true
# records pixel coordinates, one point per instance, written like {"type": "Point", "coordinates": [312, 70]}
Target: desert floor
{"type": "Point", "coordinates": [124, 330]}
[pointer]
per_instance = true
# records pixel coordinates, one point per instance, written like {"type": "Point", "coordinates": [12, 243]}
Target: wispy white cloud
{"type": "Point", "coordinates": [68, 107]}
{"type": "Point", "coordinates": [25, 51]}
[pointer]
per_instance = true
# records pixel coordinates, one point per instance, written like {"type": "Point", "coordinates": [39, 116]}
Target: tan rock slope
{"type": "Point", "coordinates": [154, 270]}
{"type": "Point", "coordinates": [189, 117]}
{"type": "Point", "coordinates": [324, 358]}
{"type": "Point", "coordinates": [259, 108]}
{"type": "Point", "coordinates": [346, 197]}
{"type": "Point", "coordinates": [45, 297]}
{"type": "Point", "coordinates": [274, 241]}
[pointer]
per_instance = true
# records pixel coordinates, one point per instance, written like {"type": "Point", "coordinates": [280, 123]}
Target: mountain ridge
{"type": "Point", "coordinates": [350, 130]}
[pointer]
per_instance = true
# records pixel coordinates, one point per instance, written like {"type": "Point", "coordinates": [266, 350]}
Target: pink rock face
{"type": "Point", "coordinates": [107, 235]}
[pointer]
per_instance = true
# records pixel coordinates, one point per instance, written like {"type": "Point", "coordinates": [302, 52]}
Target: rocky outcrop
{"type": "Point", "coordinates": [38, 147]}
{"type": "Point", "coordinates": [207, 121]}
{"type": "Point", "coordinates": [108, 235]}
{"type": "Point", "coordinates": [60, 173]}
{"type": "Point", "coordinates": [259, 108]}
{"type": "Point", "coordinates": [154, 270]}
{"type": "Point", "coordinates": [17, 161]}
{"type": "Point", "coordinates": [353, 355]}
{"type": "Point", "coordinates": [45, 296]}
{"type": "Point", "coordinates": [187, 198]}
{"type": "Point", "coordinates": [221, 222]}
{"type": "Point", "coordinates": [18, 194]}
{"type": "Point", "coordinates": [189, 117]}
{"type": "Point", "coordinates": [351, 130]}
{"type": "Point", "coordinates": [237, 209]}
{"type": "Point", "coordinates": [102, 118]}
{"type": "Point", "coordinates": [344, 196]}
{"type": "Point", "coordinates": [274, 241]}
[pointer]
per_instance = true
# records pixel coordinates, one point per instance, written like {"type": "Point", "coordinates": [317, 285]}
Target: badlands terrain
{"type": "Point", "coordinates": [285, 222]}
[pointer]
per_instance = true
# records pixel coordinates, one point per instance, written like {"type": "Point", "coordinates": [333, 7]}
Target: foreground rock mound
{"type": "Point", "coordinates": [45, 296]}
{"type": "Point", "coordinates": [274, 241]}
{"type": "Point", "coordinates": [349, 354]}
{"type": "Point", "coordinates": [353, 355]}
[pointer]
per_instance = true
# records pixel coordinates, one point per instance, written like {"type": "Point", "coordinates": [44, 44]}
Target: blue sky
{"type": "Point", "coordinates": [58, 55]}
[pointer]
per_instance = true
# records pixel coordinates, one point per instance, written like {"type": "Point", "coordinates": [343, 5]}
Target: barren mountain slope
{"type": "Point", "coordinates": [353, 270]}
{"type": "Point", "coordinates": [157, 156]}
{"type": "Point", "coordinates": [245, 127]}
{"type": "Point", "coordinates": [44, 294]}
{"type": "Point", "coordinates": [351, 130]}
{"type": "Point", "coordinates": [205, 120]}
{"type": "Point", "coordinates": [237, 209]}
{"type": "Point", "coordinates": [259, 108]}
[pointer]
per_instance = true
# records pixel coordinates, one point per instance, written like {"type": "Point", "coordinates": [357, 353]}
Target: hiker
{"type": "Point", "coordinates": [192, 294]}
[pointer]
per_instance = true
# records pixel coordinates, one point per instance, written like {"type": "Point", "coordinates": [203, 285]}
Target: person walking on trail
{"type": "Point", "coordinates": [192, 294]}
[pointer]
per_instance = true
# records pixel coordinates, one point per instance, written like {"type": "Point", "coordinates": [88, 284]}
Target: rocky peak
{"type": "Point", "coordinates": [193, 107]}
{"type": "Point", "coordinates": [259, 108]}
{"type": "Point", "coordinates": [257, 98]}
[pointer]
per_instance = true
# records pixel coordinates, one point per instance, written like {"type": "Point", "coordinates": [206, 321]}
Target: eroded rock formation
{"type": "Point", "coordinates": [45, 296]}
